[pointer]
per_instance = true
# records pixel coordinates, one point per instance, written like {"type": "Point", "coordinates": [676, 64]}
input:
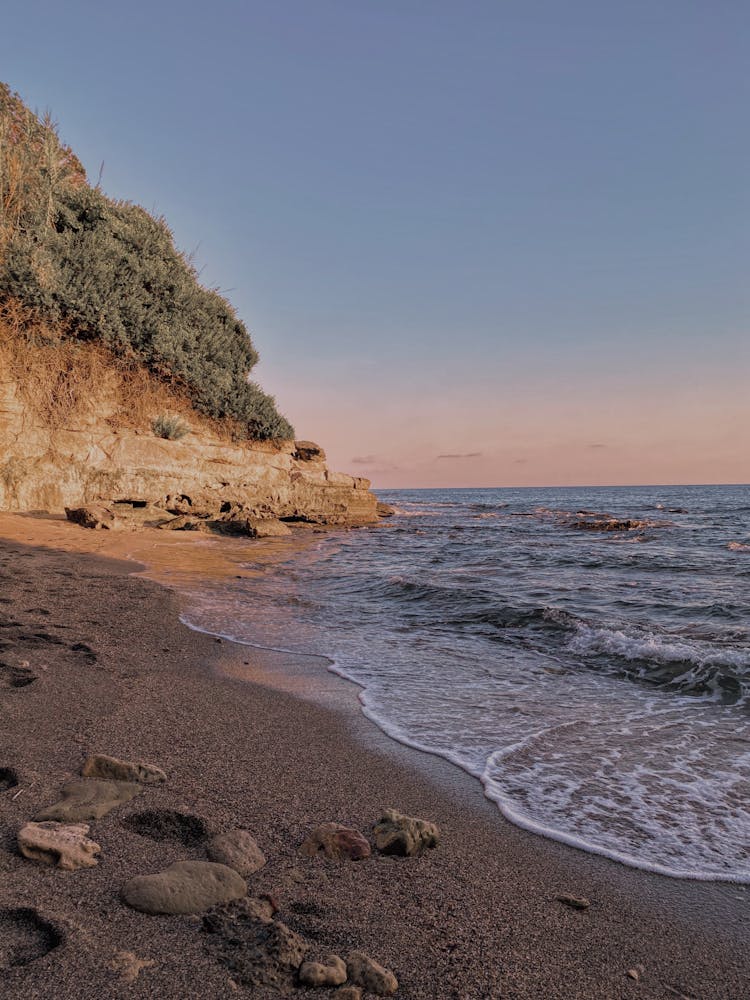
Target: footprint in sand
{"type": "Point", "coordinates": [168, 825]}
{"type": "Point", "coordinates": [8, 779]}
{"type": "Point", "coordinates": [25, 936]}
{"type": "Point", "coordinates": [16, 677]}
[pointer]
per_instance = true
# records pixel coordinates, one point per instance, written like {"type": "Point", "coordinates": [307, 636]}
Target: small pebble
{"type": "Point", "coordinates": [574, 902]}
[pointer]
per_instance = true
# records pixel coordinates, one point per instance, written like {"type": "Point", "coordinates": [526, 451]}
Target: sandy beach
{"type": "Point", "coordinates": [276, 745]}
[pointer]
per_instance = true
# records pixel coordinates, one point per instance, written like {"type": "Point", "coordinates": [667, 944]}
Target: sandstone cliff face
{"type": "Point", "coordinates": [92, 459]}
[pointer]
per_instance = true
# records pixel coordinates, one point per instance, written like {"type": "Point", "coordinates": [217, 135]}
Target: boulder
{"type": "Point", "coordinates": [372, 977]}
{"type": "Point", "coordinates": [238, 850]}
{"type": "Point", "coordinates": [62, 845]}
{"type": "Point", "coordinates": [308, 451]}
{"type": "Point", "coordinates": [99, 765]}
{"type": "Point", "coordinates": [184, 887]}
{"type": "Point", "coordinates": [259, 950]}
{"type": "Point", "coordinates": [89, 799]}
{"type": "Point", "coordinates": [336, 841]}
{"type": "Point", "coordinates": [330, 972]}
{"type": "Point", "coordinates": [184, 522]}
{"type": "Point", "coordinates": [92, 516]}
{"type": "Point", "coordinates": [405, 835]}
{"type": "Point", "coordinates": [267, 527]}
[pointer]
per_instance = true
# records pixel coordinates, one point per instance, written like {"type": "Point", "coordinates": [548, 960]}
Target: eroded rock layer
{"type": "Point", "coordinates": [93, 459]}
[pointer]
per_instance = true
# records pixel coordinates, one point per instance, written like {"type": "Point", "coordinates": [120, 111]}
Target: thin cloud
{"type": "Point", "coordinates": [364, 460]}
{"type": "Point", "coordinates": [520, 461]}
{"type": "Point", "coordinates": [598, 446]}
{"type": "Point", "coordinates": [468, 454]}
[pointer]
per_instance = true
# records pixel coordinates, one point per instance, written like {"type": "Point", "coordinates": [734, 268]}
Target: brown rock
{"type": "Point", "coordinates": [99, 765]}
{"type": "Point", "coordinates": [62, 845]}
{"type": "Point", "coordinates": [330, 972]}
{"type": "Point", "coordinates": [238, 850]}
{"type": "Point", "coordinates": [385, 510]}
{"type": "Point", "coordinates": [308, 451]}
{"type": "Point", "coordinates": [349, 993]}
{"type": "Point", "coordinates": [268, 527]}
{"type": "Point", "coordinates": [258, 950]}
{"type": "Point", "coordinates": [92, 516]}
{"type": "Point", "coordinates": [89, 800]}
{"type": "Point", "coordinates": [367, 973]}
{"type": "Point", "coordinates": [184, 887]}
{"type": "Point", "coordinates": [128, 966]}
{"type": "Point", "coordinates": [184, 522]}
{"type": "Point", "coordinates": [336, 841]}
{"type": "Point", "coordinates": [405, 835]}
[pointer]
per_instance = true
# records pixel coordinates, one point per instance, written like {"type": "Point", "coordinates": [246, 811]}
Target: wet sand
{"type": "Point", "coordinates": [275, 744]}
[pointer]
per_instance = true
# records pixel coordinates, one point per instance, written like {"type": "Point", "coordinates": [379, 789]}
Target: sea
{"type": "Point", "coordinates": [596, 682]}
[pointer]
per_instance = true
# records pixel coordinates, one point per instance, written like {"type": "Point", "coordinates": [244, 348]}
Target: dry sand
{"type": "Point", "coordinates": [276, 745]}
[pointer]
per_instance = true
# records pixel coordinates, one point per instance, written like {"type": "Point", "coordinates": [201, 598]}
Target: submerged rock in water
{"type": "Point", "coordinates": [336, 841]}
{"type": "Point", "coordinates": [89, 799]}
{"type": "Point", "coordinates": [184, 887]}
{"type": "Point", "coordinates": [373, 977]}
{"type": "Point", "coordinates": [99, 765]}
{"type": "Point", "coordinates": [405, 835]}
{"type": "Point", "coordinates": [61, 845]}
{"type": "Point", "coordinates": [238, 850]}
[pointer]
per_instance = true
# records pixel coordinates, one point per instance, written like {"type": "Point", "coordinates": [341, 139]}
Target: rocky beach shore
{"type": "Point", "coordinates": [186, 817]}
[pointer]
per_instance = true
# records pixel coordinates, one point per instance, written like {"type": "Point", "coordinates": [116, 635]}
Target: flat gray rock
{"type": "Point", "coordinates": [85, 800]}
{"type": "Point", "coordinates": [184, 887]}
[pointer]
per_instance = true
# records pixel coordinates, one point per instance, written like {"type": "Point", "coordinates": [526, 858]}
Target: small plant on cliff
{"type": "Point", "coordinates": [171, 428]}
{"type": "Point", "coordinates": [108, 271]}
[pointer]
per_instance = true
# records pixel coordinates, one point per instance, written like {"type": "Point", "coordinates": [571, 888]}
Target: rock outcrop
{"type": "Point", "coordinates": [93, 458]}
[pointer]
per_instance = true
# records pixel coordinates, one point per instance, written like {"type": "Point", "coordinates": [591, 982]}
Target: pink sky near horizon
{"type": "Point", "coordinates": [556, 431]}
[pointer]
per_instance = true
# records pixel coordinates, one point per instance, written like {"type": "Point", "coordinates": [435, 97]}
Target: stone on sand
{"type": "Point", "coordinates": [336, 841]}
{"type": "Point", "coordinates": [238, 850]}
{"type": "Point", "coordinates": [89, 799]}
{"type": "Point", "coordinates": [369, 974]}
{"type": "Point", "coordinates": [258, 950]}
{"type": "Point", "coordinates": [92, 516]}
{"type": "Point", "coordinates": [128, 966]}
{"type": "Point", "coordinates": [349, 993]}
{"type": "Point", "coordinates": [63, 845]}
{"type": "Point", "coordinates": [184, 887]}
{"type": "Point", "coordinates": [330, 972]}
{"type": "Point", "coordinates": [405, 835]}
{"type": "Point", "coordinates": [99, 765]}
{"type": "Point", "coordinates": [574, 902]}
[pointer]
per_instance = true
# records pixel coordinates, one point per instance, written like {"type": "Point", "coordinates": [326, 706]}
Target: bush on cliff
{"type": "Point", "coordinates": [107, 270]}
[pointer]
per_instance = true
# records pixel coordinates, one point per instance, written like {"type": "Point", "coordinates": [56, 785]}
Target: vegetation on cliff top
{"type": "Point", "coordinates": [107, 271]}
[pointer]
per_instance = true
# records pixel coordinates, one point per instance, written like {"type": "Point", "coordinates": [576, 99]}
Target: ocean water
{"type": "Point", "coordinates": [596, 682]}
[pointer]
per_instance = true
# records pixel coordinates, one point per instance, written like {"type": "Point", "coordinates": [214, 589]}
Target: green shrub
{"type": "Point", "coordinates": [171, 428]}
{"type": "Point", "coordinates": [109, 271]}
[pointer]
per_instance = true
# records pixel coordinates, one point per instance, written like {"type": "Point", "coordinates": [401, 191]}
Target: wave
{"type": "Point", "coordinates": [697, 669]}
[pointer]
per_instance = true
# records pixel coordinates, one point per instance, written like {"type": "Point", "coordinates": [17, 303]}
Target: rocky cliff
{"type": "Point", "coordinates": [93, 457]}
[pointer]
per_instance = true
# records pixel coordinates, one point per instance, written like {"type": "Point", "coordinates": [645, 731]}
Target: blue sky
{"type": "Point", "coordinates": [514, 231]}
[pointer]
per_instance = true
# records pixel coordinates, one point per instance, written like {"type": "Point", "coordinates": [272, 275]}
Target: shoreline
{"type": "Point", "coordinates": [243, 743]}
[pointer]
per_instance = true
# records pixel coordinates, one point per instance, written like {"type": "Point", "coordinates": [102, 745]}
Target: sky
{"type": "Point", "coordinates": [477, 244]}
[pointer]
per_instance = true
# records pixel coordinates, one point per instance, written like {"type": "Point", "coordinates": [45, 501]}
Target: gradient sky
{"type": "Point", "coordinates": [477, 243]}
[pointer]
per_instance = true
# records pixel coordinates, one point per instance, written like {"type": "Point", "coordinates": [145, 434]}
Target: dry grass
{"type": "Point", "coordinates": [64, 381]}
